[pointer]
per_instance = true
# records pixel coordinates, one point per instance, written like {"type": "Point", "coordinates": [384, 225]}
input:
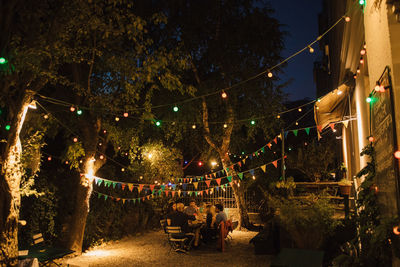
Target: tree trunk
{"type": "Point", "coordinates": [10, 179]}
{"type": "Point", "coordinates": [76, 227]}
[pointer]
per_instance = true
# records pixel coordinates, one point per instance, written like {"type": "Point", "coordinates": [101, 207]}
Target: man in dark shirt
{"type": "Point", "coordinates": [179, 218]}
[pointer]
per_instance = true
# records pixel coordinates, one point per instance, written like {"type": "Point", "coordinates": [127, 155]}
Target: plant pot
{"type": "Point", "coordinates": [345, 189]}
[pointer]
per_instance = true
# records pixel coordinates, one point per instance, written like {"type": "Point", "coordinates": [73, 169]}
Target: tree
{"type": "Point", "coordinates": [228, 42]}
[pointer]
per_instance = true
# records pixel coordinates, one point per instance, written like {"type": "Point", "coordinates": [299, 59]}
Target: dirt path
{"type": "Point", "coordinates": [151, 249]}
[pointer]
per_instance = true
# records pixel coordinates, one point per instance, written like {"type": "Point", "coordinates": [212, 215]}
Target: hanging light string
{"type": "Point", "coordinates": [66, 104]}
{"type": "Point", "coordinates": [241, 82]}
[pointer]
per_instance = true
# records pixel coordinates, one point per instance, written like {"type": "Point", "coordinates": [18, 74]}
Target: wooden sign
{"type": "Point", "coordinates": [383, 129]}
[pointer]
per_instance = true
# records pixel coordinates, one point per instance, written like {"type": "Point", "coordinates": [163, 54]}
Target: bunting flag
{"type": "Point", "coordinates": [196, 184]}
{"type": "Point", "coordinates": [240, 164]}
{"type": "Point", "coordinates": [229, 178]}
{"type": "Point", "coordinates": [227, 170]}
{"type": "Point", "coordinates": [184, 186]}
{"type": "Point", "coordinates": [114, 184]}
{"type": "Point", "coordinates": [166, 193]}
{"type": "Point", "coordinates": [264, 167]}
{"type": "Point", "coordinates": [105, 197]}
{"type": "Point", "coordinates": [275, 163]}
{"type": "Point", "coordinates": [130, 186]}
{"type": "Point", "coordinates": [152, 187]}
{"type": "Point", "coordinates": [99, 195]}
{"type": "Point", "coordinates": [250, 157]}
{"type": "Point", "coordinates": [345, 123]}
{"type": "Point", "coordinates": [295, 132]}
{"type": "Point", "coordinates": [286, 133]}
{"type": "Point", "coordinates": [123, 201]}
{"type": "Point", "coordinates": [218, 181]}
{"type": "Point", "coordinates": [200, 193]}
{"type": "Point", "coordinates": [123, 186]}
{"type": "Point", "coordinates": [251, 172]}
{"type": "Point", "coordinates": [141, 187]}
{"type": "Point", "coordinates": [319, 127]}
{"type": "Point", "coordinates": [215, 175]}
{"type": "Point", "coordinates": [208, 183]}
{"type": "Point", "coordinates": [240, 174]}
{"type": "Point", "coordinates": [332, 125]}
{"type": "Point", "coordinates": [269, 145]}
{"type": "Point", "coordinates": [276, 140]}
{"type": "Point", "coordinates": [244, 161]}
{"type": "Point", "coordinates": [307, 131]}
{"type": "Point", "coordinates": [280, 136]}
{"type": "Point", "coordinates": [148, 197]}
{"type": "Point", "coordinates": [263, 149]}
{"type": "Point", "coordinates": [179, 193]}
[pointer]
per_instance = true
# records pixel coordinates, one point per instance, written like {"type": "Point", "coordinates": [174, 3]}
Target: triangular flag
{"type": "Point", "coordinates": [148, 197]}
{"type": "Point", "coordinates": [264, 167]}
{"type": "Point", "coordinates": [105, 197]}
{"type": "Point", "coordinates": [99, 195]}
{"type": "Point", "coordinates": [276, 140]}
{"type": "Point", "coordinates": [332, 125]}
{"type": "Point", "coordinates": [263, 149]}
{"type": "Point", "coordinates": [307, 130]}
{"type": "Point", "coordinates": [184, 186]}
{"type": "Point", "coordinates": [163, 187]}
{"type": "Point", "coordinates": [141, 187]}
{"type": "Point", "coordinates": [123, 201]}
{"type": "Point", "coordinates": [217, 188]}
{"type": "Point", "coordinates": [240, 174]}
{"type": "Point", "coordinates": [244, 161]}
{"type": "Point", "coordinates": [295, 132]}
{"type": "Point", "coordinates": [179, 193]}
{"type": "Point", "coordinates": [227, 170]}
{"type": "Point", "coordinates": [152, 187]}
{"type": "Point", "coordinates": [275, 163]}
{"type": "Point", "coordinates": [205, 191]}
{"type": "Point", "coordinates": [240, 164]}
{"type": "Point", "coordinates": [195, 193]}
{"type": "Point", "coordinates": [201, 193]}
{"type": "Point", "coordinates": [114, 184]}
{"type": "Point", "coordinates": [208, 183]}
{"type": "Point", "coordinates": [280, 136]}
{"type": "Point", "coordinates": [130, 187]}
{"type": "Point", "coordinates": [229, 178]}
{"type": "Point", "coordinates": [286, 133]}
{"type": "Point", "coordinates": [269, 145]}
{"type": "Point", "coordinates": [166, 193]}
{"type": "Point", "coordinates": [218, 181]}
{"type": "Point", "coordinates": [123, 186]}
{"type": "Point", "coordinates": [345, 123]}
{"type": "Point", "coordinates": [173, 193]}
{"type": "Point", "coordinates": [251, 172]}
{"type": "Point", "coordinates": [319, 127]}
{"type": "Point", "coordinates": [195, 184]}
{"type": "Point", "coordinates": [134, 200]}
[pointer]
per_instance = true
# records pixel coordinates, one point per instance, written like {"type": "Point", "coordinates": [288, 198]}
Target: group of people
{"type": "Point", "coordinates": [198, 222]}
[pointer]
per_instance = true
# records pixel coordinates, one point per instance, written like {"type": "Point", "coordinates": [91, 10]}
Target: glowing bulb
{"type": "Point", "coordinates": [319, 100]}
{"type": "Point", "coordinates": [46, 116]}
{"type": "Point", "coordinates": [362, 2]}
{"type": "Point", "coordinates": [369, 99]}
{"type": "Point", "coordinates": [176, 109]}
{"type": "Point", "coordinates": [224, 95]}
{"type": "Point", "coordinates": [75, 139]}
{"type": "Point", "coordinates": [72, 109]}
{"type": "Point", "coordinates": [299, 109]}
{"type": "Point", "coordinates": [297, 123]}
{"type": "Point", "coordinates": [334, 130]}
{"type": "Point", "coordinates": [3, 60]}
{"type": "Point", "coordinates": [397, 154]}
{"type": "Point", "coordinates": [371, 139]}
{"type": "Point", "coordinates": [116, 118]}
{"type": "Point", "coordinates": [270, 74]}
{"type": "Point", "coordinates": [100, 144]}
{"type": "Point", "coordinates": [104, 131]}
{"type": "Point", "coordinates": [123, 169]}
{"type": "Point", "coordinates": [361, 61]}
{"type": "Point", "coordinates": [66, 162]}
{"type": "Point", "coordinates": [213, 163]}
{"type": "Point", "coordinates": [358, 70]}
{"type": "Point", "coordinates": [79, 112]}
{"type": "Point", "coordinates": [311, 49]}
{"type": "Point", "coordinates": [363, 51]}
{"type": "Point", "coordinates": [225, 125]}
{"type": "Point", "coordinates": [194, 126]}
{"type": "Point", "coordinates": [377, 87]}
{"type": "Point", "coordinates": [126, 114]}
{"type": "Point", "coordinates": [200, 163]}
{"type": "Point", "coordinates": [317, 108]}
{"type": "Point", "coordinates": [347, 19]}
{"type": "Point", "coordinates": [278, 116]}
{"type": "Point", "coordinates": [339, 92]}
{"type": "Point", "coordinates": [253, 122]}
{"type": "Point", "coordinates": [158, 123]}
{"type": "Point", "coordinates": [8, 127]}
{"type": "Point", "coordinates": [254, 177]}
{"type": "Point", "coordinates": [101, 157]}
{"type": "Point", "coordinates": [150, 155]}
{"type": "Point", "coordinates": [49, 158]}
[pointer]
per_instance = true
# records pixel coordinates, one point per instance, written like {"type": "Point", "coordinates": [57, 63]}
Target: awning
{"type": "Point", "coordinates": [333, 107]}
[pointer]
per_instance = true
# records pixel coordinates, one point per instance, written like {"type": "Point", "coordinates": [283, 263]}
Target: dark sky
{"type": "Point", "coordinates": [301, 20]}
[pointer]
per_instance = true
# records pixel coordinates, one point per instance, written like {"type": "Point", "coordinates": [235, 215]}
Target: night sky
{"type": "Point", "coordinates": [301, 20]}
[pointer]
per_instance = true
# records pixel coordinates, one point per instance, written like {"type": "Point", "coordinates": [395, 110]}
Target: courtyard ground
{"type": "Point", "coordinates": [152, 249]}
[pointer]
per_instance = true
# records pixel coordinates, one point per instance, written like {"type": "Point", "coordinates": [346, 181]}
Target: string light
{"type": "Point", "coordinates": [369, 99]}
{"type": "Point", "coordinates": [79, 112]}
{"type": "Point", "coordinates": [225, 125]}
{"type": "Point", "coordinates": [362, 2]}
{"type": "Point", "coordinates": [363, 51]}
{"type": "Point", "coordinates": [46, 116]}
{"type": "Point", "coordinates": [126, 114]}
{"type": "Point", "coordinates": [3, 60]}
{"type": "Point", "coordinates": [297, 123]}
{"type": "Point", "coordinates": [397, 154]}
{"type": "Point", "coordinates": [72, 109]}
{"type": "Point", "coordinates": [194, 126]}
{"type": "Point", "coordinates": [158, 123]}
{"type": "Point", "coordinates": [347, 19]}
{"type": "Point", "coordinates": [105, 131]}
{"type": "Point", "coordinates": [75, 139]}
{"type": "Point", "coordinates": [175, 109]}
{"type": "Point", "coordinates": [254, 177]}
{"type": "Point", "coordinates": [49, 158]}
{"type": "Point", "coordinates": [101, 157]}
{"type": "Point", "coordinates": [361, 60]}
{"type": "Point", "coordinates": [8, 127]}
{"type": "Point", "coordinates": [371, 139]}
{"type": "Point", "coordinates": [278, 116]}
{"type": "Point", "coordinates": [224, 95]}
{"type": "Point", "coordinates": [122, 169]}
{"type": "Point", "coordinates": [200, 163]}
{"type": "Point", "coordinates": [358, 70]}
{"type": "Point", "coordinates": [299, 109]}
{"type": "Point", "coordinates": [339, 92]}
{"type": "Point", "coordinates": [311, 49]}
{"type": "Point", "coordinates": [116, 118]}
{"type": "Point", "coordinates": [253, 122]}
{"type": "Point", "coordinates": [270, 74]}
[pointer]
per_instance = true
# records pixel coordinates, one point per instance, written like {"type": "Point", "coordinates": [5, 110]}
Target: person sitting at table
{"type": "Point", "coordinates": [171, 209]}
{"type": "Point", "coordinates": [181, 219]}
{"type": "Point", "coordinates": [192, 209]}
{"type": "Point", "coordinates": [221, 215]}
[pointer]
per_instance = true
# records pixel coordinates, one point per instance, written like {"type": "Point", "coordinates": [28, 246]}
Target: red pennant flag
{"type": "Point", "coordinates": [152, 187]}
{"type": "Point", "coordinates": [205, 191]}
{"type": "Point", "coordinates": [166, 193]}
{"type": "Point", "coordinates": [231, 183]}
{"type": "Point", "coordinates": [208, 183]}
{"type": "Point", "coordinates": [173, 193]}
{"type": "Point", "coordinates": [240, 164]}
{"type": "Point", "coordinates": [143, 198]}
{"type": "Point", "coordinates": [123, 186]}
{"type": "Point", "coordinates": [118, 199]}
{"type": "Point", "coordinates": [319, 127]}
{"type": "Point", "coordinates": [332, 125]}
{"type": "Point", "coordinates": [148, 197]}
{"type": "Point", "coordinates": [141, 187]}
{"type": "Point", "coordinates": [269, 145]}
{"type": "Point", "coordinates": [275, 163]}
{"type": "Point", "coordinates": [218, 181]}
{"type": "Point", "coordinates": [276, 140]}
{"type": "Point", "coordinates": [285, 157]}
{"type": "Point", "coordinates": [201, 193]}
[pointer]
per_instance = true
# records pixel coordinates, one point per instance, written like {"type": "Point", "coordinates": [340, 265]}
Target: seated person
{"type": "Point", "coordinates": [221, 215]}
{"type": "Point", "coordinates": [179, 218]}
{"type": "Point", "coordinates": [209, 232]}
{"type": "Point", "coordinates": [171, 209]}
{"type": "Point", "coordinates": [192, 209]}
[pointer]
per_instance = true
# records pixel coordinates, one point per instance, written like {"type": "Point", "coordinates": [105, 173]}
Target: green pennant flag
{"type": "Point", "coordinates": [295, 132]}
{"type": "Point", "coordinates": [162, 187]}
{"type": "Point", "coordinates": [99, 182]}
{"type": "Point", "coordinates": [195, 193]}
{"type": "Point", "coordinates": [114, 184]}
{"type": "Point", "coordinates": [262, 149]}
{"type": "Point", "coordinates": [240, 174]}
{"type": "Point", "coordinates": [229, 178]}
{"type": "Point", "coordinates": [105, 197]}
{"type": "Point", "coordinates": [98, 195]}
{"type": "Point", "coordinates": [134, 200]}
{"type": "Point", "coordinates": [227, 170]}
{"type": "Point", "coordinates": [307, 130]}
{"type": "Point", "coordinates": [138, 200]}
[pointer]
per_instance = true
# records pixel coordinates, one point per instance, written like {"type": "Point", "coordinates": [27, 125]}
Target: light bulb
{"type": "Point", "coordinates": [116, 119]}
{"type": "Point", "coordinates": [299, 109]}
{"type": "Point", "coordinates": [297, 123]}
{"type": "Point", "coordinates": [253, 122]}
{"type": "Point", "coordinates": [270, 74]}
{"type": "Point", "coordinates": [126, 114]}
{"type": "Point", "coordinates": [72, 109]}
{"type": "Point", "coordinates": [225, 125]}
{"type": "Point", "coordinates": [278, 116]}
{"type": "Point", "coordinates": [363, 51]}
{"type": "Point", "coordinates": [224, 95]}
{"type": "Point", "coordinates": [347, 19]}
{"type": "Point", "coordinates": [175, 109]}
{"type": "Point", "coordinates": [194, 126]}
{"type": "Point", "coordinates": [361, 61]}
{"type": "Point", "coordinates": [79, 112]}
{"type": "Point", "coordinates": [311, 49]}
{"type": "Point", "coordinates": [397, 154]}
{"type": "Point", "coordinates": [75, 139]}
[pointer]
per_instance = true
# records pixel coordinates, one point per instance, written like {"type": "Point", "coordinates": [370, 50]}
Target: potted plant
{"type": "Point", "coordinates": [345, 186]}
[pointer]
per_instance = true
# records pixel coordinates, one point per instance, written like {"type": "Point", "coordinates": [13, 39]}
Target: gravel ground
{"type": "Point", "coordinates": [152, 249]}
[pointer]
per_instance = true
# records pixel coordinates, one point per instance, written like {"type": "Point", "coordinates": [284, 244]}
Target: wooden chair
{"type": "Point", "coordinates": [163, 224]}
{"type": "Point", "coordinates": [224, 230]}
{"type": "Point", "coordinates": [177, 239]}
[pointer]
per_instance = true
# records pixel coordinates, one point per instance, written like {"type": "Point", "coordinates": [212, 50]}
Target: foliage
{"type": "Point", "coordinates": [371, 247]}
{"type": "Point", "coordinates": [283, 187]}
{"type": "Point", "coordinates": [74, 153]}
{"type": "Point", "coordinates": [308, 221]}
